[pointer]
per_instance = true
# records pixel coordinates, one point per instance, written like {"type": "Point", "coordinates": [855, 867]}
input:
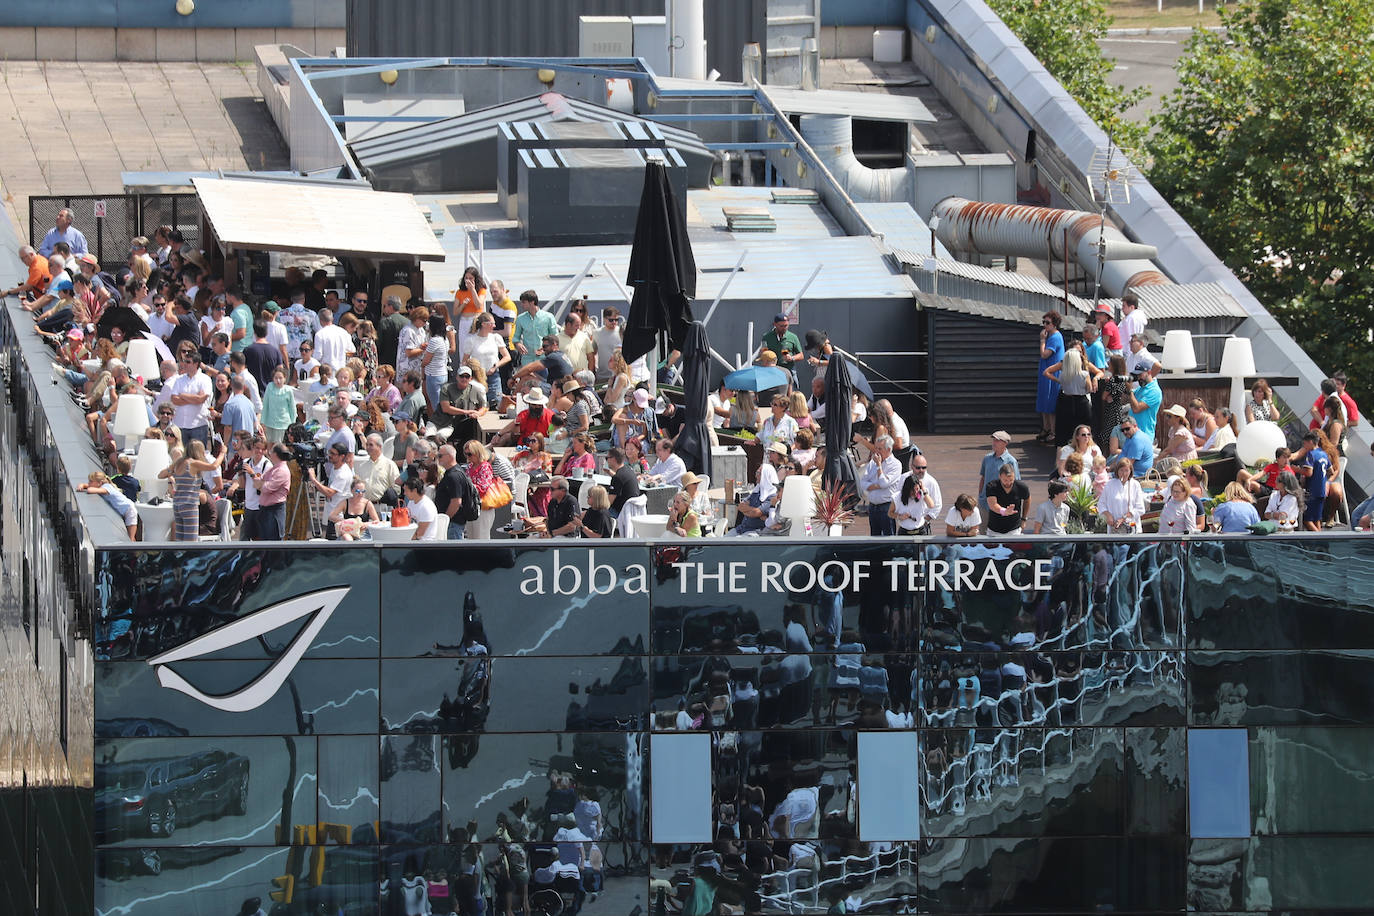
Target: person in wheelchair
{"type": "Point", "coordinates": [553, 878]}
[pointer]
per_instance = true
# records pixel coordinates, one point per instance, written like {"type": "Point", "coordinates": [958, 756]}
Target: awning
{"type": "Point", "coordinates": [316, 217]}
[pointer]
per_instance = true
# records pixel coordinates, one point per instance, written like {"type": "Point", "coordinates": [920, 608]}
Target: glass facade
{"type": "Point", "coordinates": [805, 726]}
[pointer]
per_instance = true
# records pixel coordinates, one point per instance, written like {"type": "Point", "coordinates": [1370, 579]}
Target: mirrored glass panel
{"type": "Point", "coordinates": [534, 602]}
{"type": "Point", "coordinates": [210, 881]}
{"type": "Point", "coordinates": [532, 785]}
{"type": "Point", "coordinates": [410, 781]}
{"type": "Point", "coordinates": [337, 696]}
{"type": "Point", "coordinates": [350, 783]}
{"type": "Point", "coordinates": [1311, 780]}
{"type": "Point", "coordinates": [786, 784]}
{"type": "Point", "coordinates": [155, 601]}
{"type": "Point", "coordinates": [789, 876]}
{"type": "Point", "coordinates": [194, 791]}
{"type": "Point", "coordinates": [1317, 687]}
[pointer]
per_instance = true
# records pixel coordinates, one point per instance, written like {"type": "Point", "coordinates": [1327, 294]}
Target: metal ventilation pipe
{"type": "Point", "coordinates": [1040, 232]}
{"type": "Point", "coordinates": [832, 137]}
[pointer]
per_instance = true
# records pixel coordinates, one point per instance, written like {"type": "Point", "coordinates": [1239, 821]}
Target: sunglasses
{"type": "Point", "coordinates": [557, 489]}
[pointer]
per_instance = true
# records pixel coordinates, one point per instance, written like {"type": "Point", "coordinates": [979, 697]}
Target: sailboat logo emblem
{"type": "Point", "coordinates": [321, 604]}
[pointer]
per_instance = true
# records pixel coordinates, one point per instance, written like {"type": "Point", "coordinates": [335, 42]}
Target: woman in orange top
{"type": "Point", "coordinates": [469, 301]}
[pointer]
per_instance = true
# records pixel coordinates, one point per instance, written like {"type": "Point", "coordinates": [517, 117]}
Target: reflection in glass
{"type": "Point", "coordinates": [533, 785]}
{"type": "Point", "coordinates": [759, 876]}
{"type": "Point", "coordinates": [349, 783]}
{"type": "Point", "coordinates": [431, 599]}
{"type": "Point", "coordinates": [410, 789]}
{"type": "Point", "coordinates": [192, 791]}
{"type": "Point", "coordinates": [219, 880]}
{"type": "Point", "coordinates": [1307, 780]}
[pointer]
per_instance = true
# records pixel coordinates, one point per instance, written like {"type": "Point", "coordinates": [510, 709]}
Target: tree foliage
{"type": "Point", "coordinates": [1063, 34]}
{"type": "Point", "coordinates": [1265, 150]}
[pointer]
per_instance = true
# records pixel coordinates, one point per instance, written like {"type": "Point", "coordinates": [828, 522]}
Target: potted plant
{"type": "Point", "coordinates": [832, 511]}
{"type": "Point", "coordinates": [1082, 503]}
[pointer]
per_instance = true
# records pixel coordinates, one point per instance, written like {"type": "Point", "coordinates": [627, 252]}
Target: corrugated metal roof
{"type": "Point", "coordinates": [481, 124]}
{"type": "Point", "coordinates": [1189, 300]}
{"type": "Point", "coordinates": [992, 310]}
{"type": "Point", "coordinates": [851, 268]}
{"type": "Point", "coordinates": [904, 232]}
{"type": "Point", "coordinates": [1007, 279]}
{"type": "Point", "coordinates": [313, 217]}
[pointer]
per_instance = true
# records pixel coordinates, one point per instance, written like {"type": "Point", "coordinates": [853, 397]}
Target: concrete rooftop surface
{"type": "Point", "coordinates": [73, 127]}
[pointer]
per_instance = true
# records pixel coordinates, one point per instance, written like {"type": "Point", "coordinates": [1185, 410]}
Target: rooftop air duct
{"type": "Point", "coordinates": [1044, 232]}
{"type": "Point", "coordinates": [832, 139]}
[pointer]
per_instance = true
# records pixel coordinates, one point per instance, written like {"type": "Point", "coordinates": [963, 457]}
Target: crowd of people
{"type": "Point", "coordinates": [316, 413]}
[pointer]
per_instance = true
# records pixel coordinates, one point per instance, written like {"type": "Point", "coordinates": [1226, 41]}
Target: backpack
{"type": "Point", "coordinates": [472, 503]}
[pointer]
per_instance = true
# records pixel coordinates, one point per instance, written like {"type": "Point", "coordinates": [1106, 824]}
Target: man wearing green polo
{"type": "Point", "coordinates": [784, 343]}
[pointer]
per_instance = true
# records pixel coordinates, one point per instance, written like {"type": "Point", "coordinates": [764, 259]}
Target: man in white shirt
{"type": "Point", "coordinates": [1133, 320]}
{"type": "Point", "coordinates": [332, 343]}
{"type": "Point", "coordinates": [768, 469]}
{"type": "Point", "coordinates": [1140, 358]}
{"type": "Point", "coordinates": [880, 484]}
{"type": "Point", "coordinates": [577, 345]}
{"type": "Point", "coordinates": [340, 435]}
{"type": "Point", "coordinates": [238, 368]}
{"type": "Point", "coordinates": [609, 338]}
{"type": "Point", "coordinates": [901, 435]}
{"type": "Point", "coordinates": [669, 468]}
{"type": "Point", "coordinates": [340, 477]}
{"type": "Point", "coordinates": [276, 331]}
{"type": "Point", "coordinates": [190, 395]}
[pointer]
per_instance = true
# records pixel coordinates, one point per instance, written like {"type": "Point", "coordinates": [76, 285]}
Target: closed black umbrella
{"type": "Point", "coordinates": [122, 317]}
{"type": "Point", "coordinates": [839, 427]}
{"type": "Point", "coordinates": [662, 271]}
{"type": "Point", "coordinates": [694, 442]}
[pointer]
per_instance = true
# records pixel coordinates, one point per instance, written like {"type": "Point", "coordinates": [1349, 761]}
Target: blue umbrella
{"type": "Point", "coordinates": [757, 378]}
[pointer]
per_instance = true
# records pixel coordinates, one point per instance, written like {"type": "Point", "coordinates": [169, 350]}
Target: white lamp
{"type": "Point", "coordinates": [131, 419]}
{"type": "Point", "coordinates": [798, 501]}
{"type": "Point", "coordinates": [1258, 441]}
{"type": "Point", "coordinates": [142, 359]}
{"type": "Point", "coordinates": [1237, 361]}
{"type": "Point", "coordinates": [1178, 351]}
{"type": "Point", "coordinates": [152, 459]}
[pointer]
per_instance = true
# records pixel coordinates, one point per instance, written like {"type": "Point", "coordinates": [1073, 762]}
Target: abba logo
{"type": "Point", "coordinates": [261, 689]}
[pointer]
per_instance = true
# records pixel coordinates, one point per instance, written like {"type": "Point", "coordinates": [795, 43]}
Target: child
{"type": "Point", "coordinates": [1100, 475]}
{"type": "Point", "coordinates": [99, 485]}
{"type": "Point", "coordinates": [124, 479]}
{"type": "Point", "coordinates": [323, 385]}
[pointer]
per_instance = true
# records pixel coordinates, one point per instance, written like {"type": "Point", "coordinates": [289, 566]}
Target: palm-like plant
{"type": "Point", "coordinates": [1082, 503]}
{"type": "Point", "coordinates": [832, 506]}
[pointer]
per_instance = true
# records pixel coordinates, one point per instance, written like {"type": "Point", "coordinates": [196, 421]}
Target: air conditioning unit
{"type": "Point", "coordinates": [605, 36]}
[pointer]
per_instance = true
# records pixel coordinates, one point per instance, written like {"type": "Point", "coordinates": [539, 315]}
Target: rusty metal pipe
{"type": "Point", "coordinates": [1024, 231]}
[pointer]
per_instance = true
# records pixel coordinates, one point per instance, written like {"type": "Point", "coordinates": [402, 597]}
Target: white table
{"type": "Point", "coordinates": [384, 533]}
{"type": "Point", "coordinates": [650, 526]}
{"type": "Point", "coordinates": [157, 521]}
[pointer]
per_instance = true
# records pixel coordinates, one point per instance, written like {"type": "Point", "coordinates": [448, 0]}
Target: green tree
{"type": "Point", "coordinates": [1265, 150]}
{"type": "Point", "coordinates": [1063, 34]}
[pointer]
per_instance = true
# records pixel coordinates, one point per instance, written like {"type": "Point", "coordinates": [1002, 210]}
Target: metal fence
{"type": "Point", "coordinates": [126, 216]}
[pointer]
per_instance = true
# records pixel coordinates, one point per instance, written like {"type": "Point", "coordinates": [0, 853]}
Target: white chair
{"type": "Point", "coordinates": [441, 527]}
{"type": "Point", "coordinates": [583, 493]}
{"type": "Point", "coordinates": [633, 508]}
{"type": "Point", "coordinates": [387, 445]}
{"type": "Point", "coordinates": [718, 528]}
{"type": "Point", "coordinates": [520, 492]}
{"type": "Point", "coordinates": [157, 521]}
{"type": "Point", "coordinates": [362, 465]}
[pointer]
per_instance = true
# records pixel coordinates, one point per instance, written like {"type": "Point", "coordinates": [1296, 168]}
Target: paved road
{"type": "Point", "coordinates": [1146, 60]}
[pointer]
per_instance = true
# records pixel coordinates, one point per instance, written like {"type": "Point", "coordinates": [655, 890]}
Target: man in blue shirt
{"type": "Point", "coordinates": [1145, 400]}
{"type": "Point", "coordinates": [1092, 346]}
{"type": "Point", "coordinates": [991, 467]}
{"type": "Point", "coordinates": [238, 414]}
{"type": "Point", "coordinates": [1316, 467]}
{"type": "Point", "coordinates": [1136, 446]}
{"type": "Point", "coordinates": [531, 327]}
{"type": "Point", "coordinates": [65, 232]}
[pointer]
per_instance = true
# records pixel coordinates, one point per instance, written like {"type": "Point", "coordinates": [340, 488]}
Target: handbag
{"type": "Point", "coordinates": [400, 517]}
{"type": "Point", "coordinates": [497, 495]}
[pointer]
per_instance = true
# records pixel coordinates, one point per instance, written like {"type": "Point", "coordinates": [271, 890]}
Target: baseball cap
{"type": "Point", "coordinates": [465, 370]}
{"type": "Point", "coordinates": [1002, 435]}
{"type": "Point", "coordinates": [780, 316]}
{"type": "Point", "coordinates": [399, 416]}
{"type": "Point", "coordinates": [76, 334]}
{"type": "Point", "coordinates": [641, 397]}
{"type": "Point", "coordinates": [62, 284]}
{"type": "Point", "coordinates": [271, 306]}
{"type": "Point", "coordinates": [89, 258]}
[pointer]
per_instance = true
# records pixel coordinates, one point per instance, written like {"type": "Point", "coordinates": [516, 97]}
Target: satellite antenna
{"type": "Point", "coordinates": [1109, 176]}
